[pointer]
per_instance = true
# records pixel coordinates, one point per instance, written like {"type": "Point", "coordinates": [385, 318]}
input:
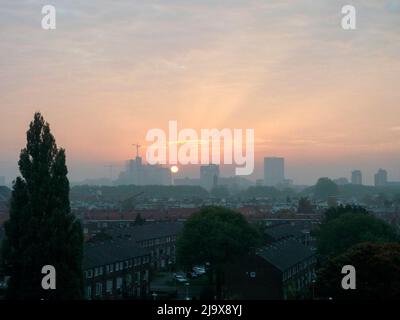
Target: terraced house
{"type": "Point", "coordinates": [116, 270]}
{"type": "Point", "coordinates": [159, 238]}
{"type": "Point", "coordinates": [282, 270]}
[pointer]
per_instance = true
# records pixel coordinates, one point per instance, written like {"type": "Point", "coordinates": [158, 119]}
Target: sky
{"type": "Point", "coordinates": [325, 98]}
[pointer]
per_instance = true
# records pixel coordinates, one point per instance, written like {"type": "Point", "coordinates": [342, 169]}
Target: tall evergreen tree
{"type": "Point", "coordinates": [41, 229]}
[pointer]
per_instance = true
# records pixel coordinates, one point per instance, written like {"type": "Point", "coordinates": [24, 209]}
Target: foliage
{"type": "Point", "coordinates": [337, 235]}
{"type": "Point", "coordinates": [41, 229]}
{"type": "Point", "coordinates": [325, 188]}
{"type": "Point", "coordinates": [377, 273]}
{"type": "Point", "coordinates": [139, 220]}
{"type": "Point", "coordinates": [215, 235]}
{"type": "Point", "coordinates": [336, 212]}
{"type": "Point", "coordinates": [305, 206]}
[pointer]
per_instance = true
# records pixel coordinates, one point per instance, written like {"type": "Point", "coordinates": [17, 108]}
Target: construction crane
{"type": "Point", "coordinates": [137, 149]}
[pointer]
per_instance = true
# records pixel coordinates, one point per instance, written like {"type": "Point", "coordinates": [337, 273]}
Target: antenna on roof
{"type": "Point", "coordinates": [137, 149]}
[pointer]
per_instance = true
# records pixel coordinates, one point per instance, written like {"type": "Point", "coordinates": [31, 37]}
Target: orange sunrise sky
{"type": "Point", "coordinates": [325, 98]}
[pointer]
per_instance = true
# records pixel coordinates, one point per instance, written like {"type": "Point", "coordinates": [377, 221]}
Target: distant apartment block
{"type": "Point", "coordinates": [137, 173]}
{"type": "Point", "coordinates": [380, 178]}
{"type": "Point", "coordinates": [274, 171]}
{"type": "Point", "coordinates": [209, 175]}
{"type": "Point", "coordinates": [356, 177]}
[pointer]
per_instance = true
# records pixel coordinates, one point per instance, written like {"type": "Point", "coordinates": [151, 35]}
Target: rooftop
{"type": "Point", "coordinates": [285, 254]}
{"type": "Point", "coordinates": [147, 231]}
{"type": "Point", "coordinates": [110, 252]}
{"type": "Point", "coordinates": [285, 230]}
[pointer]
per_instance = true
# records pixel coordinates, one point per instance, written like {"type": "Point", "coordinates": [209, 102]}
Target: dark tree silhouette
{"type": "Point", "coordinates": [377, 273]}
{"type": "Point", "coordinates": [325, 188]}
{"type": "Point", "coordinates": [139, 220]}
{"type": "Point", "coordinates": [217, 236]}
{"type": "Point", "coordinates": [336, 212]}
{"type": "Point", "coordinates": [41, 229]}
{"type": "Point", "coordinates": [351, 228]}
{"type": "Point", "coordinates": [305, 206]}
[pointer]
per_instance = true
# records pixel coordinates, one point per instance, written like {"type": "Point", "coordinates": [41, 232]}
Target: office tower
{"type": "Point", "coordinates": [380, 178]}
{"type": "Point", "coordinates": [138, 173]}
{"type": "Point", "coordinates": [209, 175]}
{"type": "Point", "coordinates": [274, 171]}
{"type": "Point", "coordinates": [356, 177]}
{"type": "Point", "coordinates": [2, 181]}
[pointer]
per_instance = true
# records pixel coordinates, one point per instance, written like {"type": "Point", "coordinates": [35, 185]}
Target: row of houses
{"type": "Point", "coordinates": [282, 269]}
{"type": "Point", "coordinates": [121, 266]}
{"type": "Point", "coordinates": [116, 270]}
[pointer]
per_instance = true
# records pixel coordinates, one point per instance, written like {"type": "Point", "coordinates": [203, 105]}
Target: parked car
{"type": "Point", "coordinates": [192, 275]}
{"type": "Point", "coordinates": [200, 270]}
{"type": "Point", "coordinates": [180, 278]}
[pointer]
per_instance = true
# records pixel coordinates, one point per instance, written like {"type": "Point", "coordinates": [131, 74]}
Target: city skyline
{"type": "Point", "coordinates": [323, 98]}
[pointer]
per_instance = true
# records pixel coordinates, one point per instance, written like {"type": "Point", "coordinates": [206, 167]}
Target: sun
{"type": "Point", "coordinates": [174, 169]}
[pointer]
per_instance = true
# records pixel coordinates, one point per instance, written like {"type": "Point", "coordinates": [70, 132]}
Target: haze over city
{"type": "Point", "coordinates": [323, 98]}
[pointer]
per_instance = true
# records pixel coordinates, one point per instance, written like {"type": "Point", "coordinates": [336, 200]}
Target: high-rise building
{"type": "Point", "coordinates": [380, 178]}
{"type": "Point", "coordinates": [2, 181]}
{"type": "Point", "coordinates": [209, 175]}
{"type": "Point", "coordinates": [138, 173]}
{"type": "Point", "coordinates": [274, 171]}
{"type": "Point", "coordinates": [356, 177]}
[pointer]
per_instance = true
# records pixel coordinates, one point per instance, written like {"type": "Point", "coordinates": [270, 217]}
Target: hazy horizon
{"type": "Point", "coordinates": [324, 98]}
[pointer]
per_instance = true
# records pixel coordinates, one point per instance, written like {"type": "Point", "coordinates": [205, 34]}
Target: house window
{"type": "Point", "coordinates": [137, 261]}
{"type": "Point", "coordinates": [252, 274]}
{"type": "Point", "coordinates": [99, 289]}
{"type": "Point", "coordinates": [100, 271]}
{"type": "Point", "coordinates": [107, 268]}
{"type": "Point", "coordinates": [109, 286]}
{"type": "Point", "coordinates": [88, 292]}
{"type": "Point", "coordinates": [138, 277]}
{"type": "Point", "coordinates": [126, 264]}
{"type": "Point", "coordinates": [119, 283]}
{"type": "Point", "coordinates": [111, 268]}
{"type": "Point", "coordinates": [117, 266]}
{"type": "Point", "coordinates": [121, 266]}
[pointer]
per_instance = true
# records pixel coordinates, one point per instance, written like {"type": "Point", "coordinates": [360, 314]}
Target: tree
{"type": "Point", "coordinates": [377, 269]}
{"type": "Point", "coordinates": [215, 235]}
{"type": "Point", "coordinates": [41, 229]}
{"type": "Point", "coordinates": [305, 206]}
{"type": "Point", "coordinates": [139, 220]}
{"type": "Point", "coordinates": [325, 188]}
{"type": "Point", "coordinates": [336, 212]}
{"type": "Point", "coordinates": [348, 229]}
